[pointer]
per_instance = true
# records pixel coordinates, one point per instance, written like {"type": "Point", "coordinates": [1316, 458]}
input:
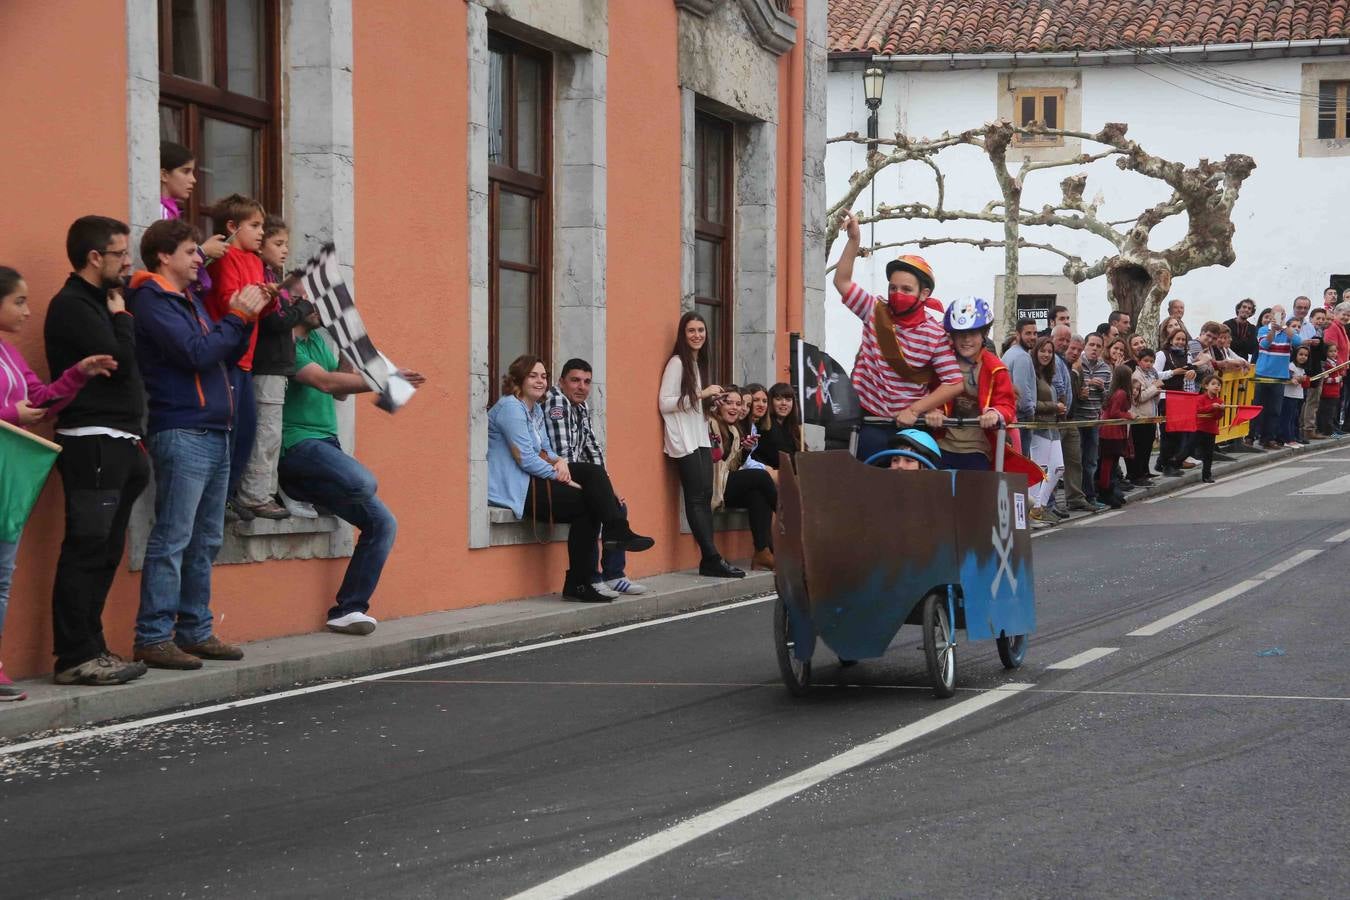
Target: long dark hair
{"type": "Point", "coordinates": [792, 423]}
{"type": "Point", "coordinates": [9, 281]}
{"type": "Point", "coordinates": [693, 362]}
{"type": "Point", "coordinates": [1122, 379]}
{"type": "Point", "coordinates": [1045, 372]}
{"type": "Point", "coordinates": [763, 423]}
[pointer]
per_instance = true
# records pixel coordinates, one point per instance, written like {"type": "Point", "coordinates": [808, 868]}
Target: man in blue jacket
{"type": "Point", "coordinates": [184, 359]}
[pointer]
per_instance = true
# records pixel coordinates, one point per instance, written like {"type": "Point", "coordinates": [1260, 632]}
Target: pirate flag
{"type": "Point", "coordinates": [824, 392]}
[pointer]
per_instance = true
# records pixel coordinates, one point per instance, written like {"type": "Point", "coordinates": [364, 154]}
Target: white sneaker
{"type": "Point", "coordinates": [352, 623]}
{"type": "Point", "coordinates": [602, 588]}
{"type": "Point", "coordinates": [297, 508]}
{"type": "Point", "coordinates": [1293, 444]}
{"type": "Point", "coordinates": [624, 586]}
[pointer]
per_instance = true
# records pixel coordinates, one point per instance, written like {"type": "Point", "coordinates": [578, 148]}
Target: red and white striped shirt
{"type": "Point", "coordinates": [881, 390]}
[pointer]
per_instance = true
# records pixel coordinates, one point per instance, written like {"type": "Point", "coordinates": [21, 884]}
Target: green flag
{"type": "Point", "coordinates": [25, 461]}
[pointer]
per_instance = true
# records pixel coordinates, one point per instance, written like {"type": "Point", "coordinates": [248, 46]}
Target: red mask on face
{"type": "Point", "coordinates": [906, 309]}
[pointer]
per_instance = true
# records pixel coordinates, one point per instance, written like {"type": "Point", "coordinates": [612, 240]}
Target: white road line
{"type": "Point", "coordinates": [1082, 659]}
{"type": "Point", "coordinates": [606, 867]}
{"type": "Point", "coordinates": [1334, 486]}
{"type": "Point", "coordinates": [1225, 595]}
{"type": "Point", "coordinates": [1339, 538]}
{"type": "Point", "coordinates": [100, 731]}
{"type": "Point", "coordinates": [1248, 483]}
{"type": "Point", "coordinates": [1187, 694]}
{"type": "Point", "coordinates": [1319, 455]}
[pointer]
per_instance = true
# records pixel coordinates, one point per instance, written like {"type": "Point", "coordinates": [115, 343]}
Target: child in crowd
{"type": "Point", "coordinates": [1208, 412]}
{"type": "Point", "coordinates": [1115, 439]}
{"type": "Point", "coordinates": [273, 364]}
{"type": "Point", "coordinates": [1293, 397]}
{"type": "Point", "coordinates": [1146, 386]}
{"type": "Point", "coordinates": [241, 218]}
{"type": "Point", "coordinates": [25, 401]}
{"type": "Point", "coordinates": [1331, 394]}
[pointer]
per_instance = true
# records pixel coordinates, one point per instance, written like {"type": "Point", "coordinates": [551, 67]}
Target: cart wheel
{"type": "Point", "coordinates": [796, 673]}
{"type": "Point", "coordinates": [939, 645]}
{"type": "Point", "coordinates": [1012, 650]}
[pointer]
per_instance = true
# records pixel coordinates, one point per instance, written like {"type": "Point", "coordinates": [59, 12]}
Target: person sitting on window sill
{"type": "Point", "coordinates": [739, 480]}
{"type": "Point", "coordinates": [526, 476]}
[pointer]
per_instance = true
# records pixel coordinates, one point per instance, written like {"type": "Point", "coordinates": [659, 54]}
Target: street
{"type": "Point", "coordinates": [1179, 729]}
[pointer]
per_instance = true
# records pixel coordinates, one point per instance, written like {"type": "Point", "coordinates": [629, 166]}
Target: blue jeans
{"type": "Point", "coordinates": [192, 471]}
{"type": "Point", "coordinates": [609, 564]}
{"type": "Point", "coordinates": [1270, 397]}
{"type": "Point", "coordinates": [9, 551]}
{"type": "Point", "coordinates": [1088, 441]}
{"type": "Point", "coordinates": [319, 471]}
{"type": "Point", "coordinates": [1289, 413]}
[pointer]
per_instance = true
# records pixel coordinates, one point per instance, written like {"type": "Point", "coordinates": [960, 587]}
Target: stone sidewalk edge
{"type": "Point", "coordinates": [283, 663]}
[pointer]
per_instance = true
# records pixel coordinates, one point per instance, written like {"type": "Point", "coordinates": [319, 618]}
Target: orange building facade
{"type": "Point", "coordinates": [559, 176]}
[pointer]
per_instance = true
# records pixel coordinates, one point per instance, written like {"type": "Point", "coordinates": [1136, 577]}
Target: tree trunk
{"type": "Point", "coordinates": [1139, 288]}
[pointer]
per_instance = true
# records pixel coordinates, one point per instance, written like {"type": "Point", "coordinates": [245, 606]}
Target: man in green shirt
{"type": "Point", "coordinates": [314, 468]}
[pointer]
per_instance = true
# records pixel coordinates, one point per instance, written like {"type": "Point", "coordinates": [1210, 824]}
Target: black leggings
{"type": "Point", "coordinates": [696, 475]}
{"type": "Point", "coordinates": [1142, 438]}
{"type": "Point", "coordinates": [585, 508]}
{"type": "Point", "coordinates": [754, 491]}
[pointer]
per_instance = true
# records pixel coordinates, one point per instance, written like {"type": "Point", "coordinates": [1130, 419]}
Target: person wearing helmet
{"type": "Point", "coordinates": [911, 450]}
{"type": "Point", "coordinates": [986, 394]}
{"type": "Point", "coordinates": [904, 367]}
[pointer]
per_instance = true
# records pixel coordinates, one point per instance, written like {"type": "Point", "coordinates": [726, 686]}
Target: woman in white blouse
{"type": "Point", "coordinates": [686, 437]}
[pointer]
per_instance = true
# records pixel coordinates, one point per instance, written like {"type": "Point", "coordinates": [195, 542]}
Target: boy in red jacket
{"type": "Point", "coordinates": [240, 218]}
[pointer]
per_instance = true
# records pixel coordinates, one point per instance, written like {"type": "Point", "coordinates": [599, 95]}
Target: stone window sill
{"type": "Point", "coordinates": [506, 530]}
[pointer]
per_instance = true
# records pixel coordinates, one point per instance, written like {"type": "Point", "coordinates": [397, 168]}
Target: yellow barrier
{"type": "Point", "coordinates": [1238, 390]}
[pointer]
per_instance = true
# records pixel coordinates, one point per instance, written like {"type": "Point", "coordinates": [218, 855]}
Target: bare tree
{"type": "Point", "coordinates": [1139, 276]}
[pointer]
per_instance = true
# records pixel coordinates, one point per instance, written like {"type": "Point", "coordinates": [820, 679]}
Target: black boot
{"type": "Point", "coordinates": [719, 568]}
{"type": "Point", "coordinates": [619, 535]}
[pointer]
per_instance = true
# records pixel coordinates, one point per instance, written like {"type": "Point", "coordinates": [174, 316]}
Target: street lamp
{"type": "Point", "coordinates": [874, 80]}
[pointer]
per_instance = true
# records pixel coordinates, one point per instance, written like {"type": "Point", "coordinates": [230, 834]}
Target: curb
{"type": "Point", "coordinates": [281, 663]}
{"type": "Point", "coordinates": [1191, 477]}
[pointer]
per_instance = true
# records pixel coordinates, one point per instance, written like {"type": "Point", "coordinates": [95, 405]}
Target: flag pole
{"type": "Point", "coordinates": [801, 392]}
{"type": "Point", "coordinates": [32, 437]}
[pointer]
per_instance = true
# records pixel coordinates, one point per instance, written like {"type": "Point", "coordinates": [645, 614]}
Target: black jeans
{"type": "Point", "coordinates": [1204, 446]}
{"type": "Point", "coordinates": [696, 475]}
{"type": "Point", "coordinates": [102, 477]}
{"type": "Point", "coordinates": [1142, 438]}
{"type": "Point", "coordinates": [586, 507]}
{"type": "Point", "coordinates": [754, 491]}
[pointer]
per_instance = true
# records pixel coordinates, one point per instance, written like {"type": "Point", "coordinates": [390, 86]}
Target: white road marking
{"type": "Point", "coordinates": [1334, 486]}
{"type": "Point", "coordinates": [1082, 659]}
{"type": "Point", "coordinates": [1239, 486]}
{"type": "Point", "coordinates": [86, 734]}
{"type": "Point", "coordinates": [1186, 694]}
{"type": "Point", "coordinates": [1225, 595]}
{"type": "Point", "coordinates": [622, 860]}
{"type": "Point", "coordinates": [1339, 538]}
{"type": "Point", "coordinates": [1319, 455]}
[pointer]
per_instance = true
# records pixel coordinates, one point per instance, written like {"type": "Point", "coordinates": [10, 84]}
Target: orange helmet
{"type": "Point", "coordinates": [915, 265]}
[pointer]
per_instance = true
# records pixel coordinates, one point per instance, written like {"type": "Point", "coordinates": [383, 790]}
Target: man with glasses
{"type": "Point", "coordinates": [102, 464]}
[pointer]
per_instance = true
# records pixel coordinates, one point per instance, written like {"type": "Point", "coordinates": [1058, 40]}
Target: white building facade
{"type": "Point", "coordinates": [1292, 220]}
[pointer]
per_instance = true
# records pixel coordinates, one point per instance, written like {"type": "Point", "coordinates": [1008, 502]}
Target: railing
{"type": "Point", "coordinates": [1239, 389]}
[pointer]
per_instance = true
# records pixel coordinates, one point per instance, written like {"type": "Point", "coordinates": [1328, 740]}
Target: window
{"type": "Point", "coordinates": [1038, 307]}
{"type": "Point", "coordinates": [219, 96]}
{"type": "Point", "coordinates": [519, 128]}
{"type": "Point", "coordinates": [713, 297]}
{"type": "Point", "coordinates": [1039, 106]}
{"type": "Point", "coordinates": [1333, 110]}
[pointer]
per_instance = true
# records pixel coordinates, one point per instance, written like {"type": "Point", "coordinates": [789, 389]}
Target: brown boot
{"type": "Point", "coordinates": [214, 648]}
{"type": "Point", "coordinates": [166, 655]}
{"type": "Point", "coordinates": [763, 559]}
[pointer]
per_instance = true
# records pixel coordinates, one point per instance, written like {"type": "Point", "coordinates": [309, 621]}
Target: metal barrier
{"type": "Point", "coordinates": [1239, 389]}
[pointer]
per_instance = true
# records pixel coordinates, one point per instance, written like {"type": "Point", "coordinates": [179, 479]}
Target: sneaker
{"type": "Point", "coordinates": [298, 508]}
{"type": "Point", "coordinates": [1189, 463]}
{"type": "Point", "coordinates": [1098, 506]}
{"type": "Point", "coordinates": [1171, 473]}
{"type": "Point", "coordinates": [1058, 513]}
{"type": "Point", "coordinates": [101, 670]}
{"type": "Point", "coordinates": [214, 648]}
{"type": "Point", "coordinates": [1039, 515]}
{"type": "Point", "coordinates": [140, 667]}
{"type": "Point", "coordinates": [9, 691]}
{"type": "Point", "coordinates": [1142, 482]}
{"type": "Point", "coordinates": [624, 586]}
{"type": "Point", "coordinates": [352, 623]}
{"type": "Point", "coordinates": [588, 593]}
{"type": "Point", "coordinates": [1292, 445]}
{"type": "Point", "coordinates": [270, 510]}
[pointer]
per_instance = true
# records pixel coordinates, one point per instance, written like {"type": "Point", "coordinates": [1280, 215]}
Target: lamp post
{"type": "Point", "coordinates": [874, 80]}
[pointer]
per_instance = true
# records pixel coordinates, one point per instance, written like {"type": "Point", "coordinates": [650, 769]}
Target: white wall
{"type": "Point", "coordinates": [1291, 218]}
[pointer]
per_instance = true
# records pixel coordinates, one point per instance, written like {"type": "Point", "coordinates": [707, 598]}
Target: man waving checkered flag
{"type": "Point", "coordinates": [327, 290]}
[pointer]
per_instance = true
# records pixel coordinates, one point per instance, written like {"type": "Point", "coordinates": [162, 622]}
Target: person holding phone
{"type": "Point", "coordinates": [1277, 342]}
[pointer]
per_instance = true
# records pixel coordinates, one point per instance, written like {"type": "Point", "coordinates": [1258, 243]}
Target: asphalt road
{"type": "Point", "coordinates": [1203, 757]}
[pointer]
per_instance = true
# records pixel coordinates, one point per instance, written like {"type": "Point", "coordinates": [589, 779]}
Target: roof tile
{"type": "Point", "coordinates": [1029, 26]}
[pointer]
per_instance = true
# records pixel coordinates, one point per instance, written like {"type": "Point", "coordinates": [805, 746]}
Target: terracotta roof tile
{"type": "Point", "coordinates": [1030, 26]}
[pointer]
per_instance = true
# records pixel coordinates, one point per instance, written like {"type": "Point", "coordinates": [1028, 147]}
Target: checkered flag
{"type": "Point", "coordinates": [327, 290]}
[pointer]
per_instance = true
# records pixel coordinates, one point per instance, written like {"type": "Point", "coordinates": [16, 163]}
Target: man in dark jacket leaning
{"type": "Point", "coordinates": [184, 359]}
{"type": "Point", "coordinates": [102, 464]}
